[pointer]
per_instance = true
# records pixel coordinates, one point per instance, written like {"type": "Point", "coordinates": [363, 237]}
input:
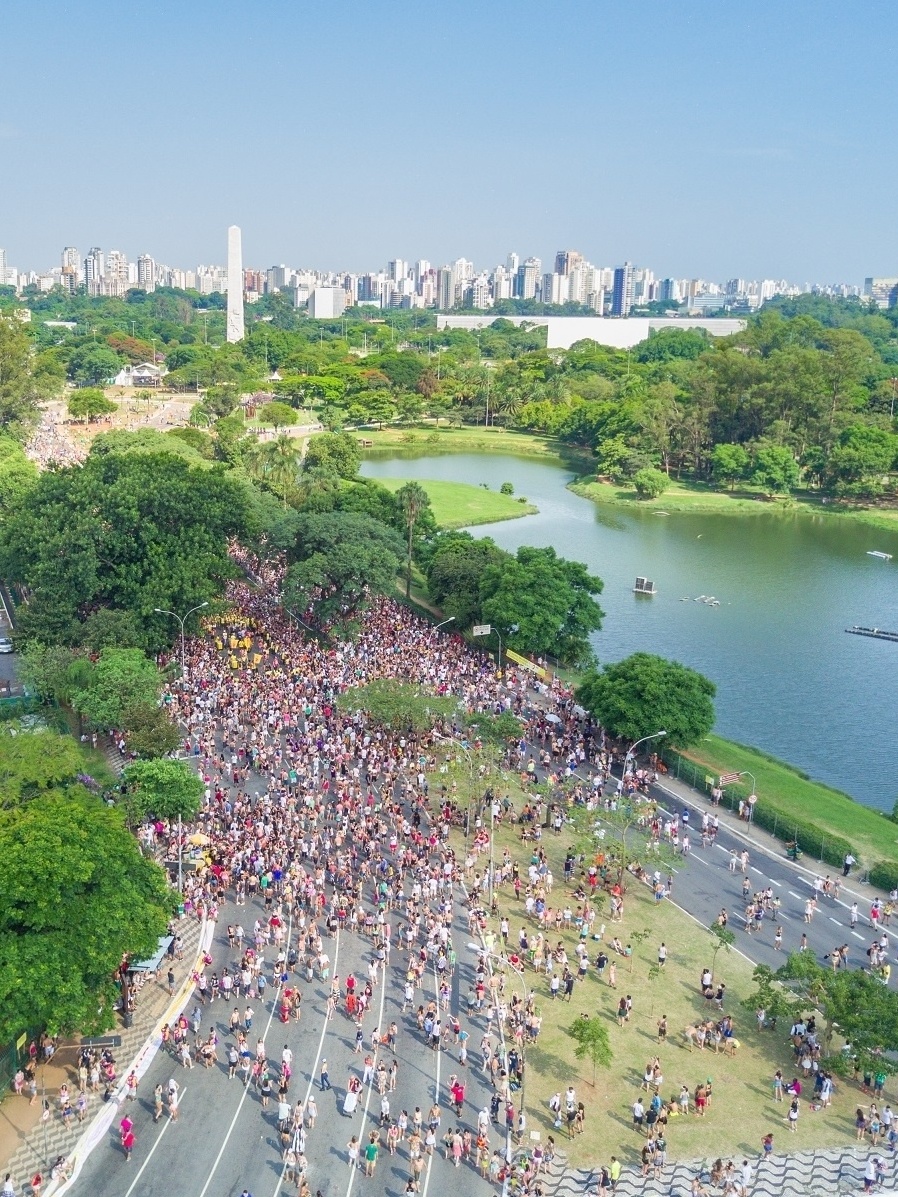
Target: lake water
{"type": "Point", "coordinates": [789, 680]}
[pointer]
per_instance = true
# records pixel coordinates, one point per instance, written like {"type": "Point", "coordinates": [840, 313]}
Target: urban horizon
{"type": "Point", "coordinates": [568, 278]}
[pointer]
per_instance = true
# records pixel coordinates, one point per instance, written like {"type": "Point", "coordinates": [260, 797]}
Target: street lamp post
{"type": "Point", "coordinates": [451, 619]}
{"type": "Point", "coordinates": [182, 619]}
{"type": "Point", "coordinates": [631, 751]}
{"type": "Point", "coordinates": [753, 794]}
{"type": "Point", "coordinates": [485, 629]}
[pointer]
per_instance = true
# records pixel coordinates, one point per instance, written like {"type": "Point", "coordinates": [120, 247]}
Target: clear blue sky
{"type": "Point", "coordinates": [698, 138]}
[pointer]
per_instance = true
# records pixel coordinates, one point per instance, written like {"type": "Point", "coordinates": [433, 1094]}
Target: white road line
{"type": "Point", "coordinates": [156, 1144]}
{"type": "Point", "coordinates": [380, 1028]}
{"type": "Point", "coordinates": [777, 883]}
{"type": "Point", "coordinates": [313, 1071]}
{"type": "Point", "coordinates": [436, 1096]}
{"type": "Point", "coordinates": [836, 921]}
{"type": "Point", "coordinates": [794, 895]}
{"type": "Point", "coordinates": [758, 871]}
{"type": "Point", "coordinates": [244, 1094]}
{"type": "Point", "coordinates": [857, 936]}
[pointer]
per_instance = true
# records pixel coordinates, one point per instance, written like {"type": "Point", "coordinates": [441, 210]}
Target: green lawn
{"type": "Point", "coordinates": [742, 1110]}
{"type": "Point", "coordinates": [698, 498]}
{"type": "Point", "coordinates": [470, 440]}
{"type": "Point", "coordinates": [793, 794]}
{"type": "Point", "coordinates": [458, 504]}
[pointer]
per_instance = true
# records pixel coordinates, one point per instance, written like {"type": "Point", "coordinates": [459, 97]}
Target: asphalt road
{"type": "Point", "coordinates": [224, 1142]}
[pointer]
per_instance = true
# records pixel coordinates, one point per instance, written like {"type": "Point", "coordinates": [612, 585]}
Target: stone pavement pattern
{"type": "Point", "coordinates": [804, 1174]}
{"type": "Point", "coordinates": [28, 1151]}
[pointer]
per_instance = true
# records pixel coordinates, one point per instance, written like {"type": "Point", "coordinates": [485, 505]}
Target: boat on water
{"type": "Point", "coordinates": [876, 553]}
{"type": "Point", "coordinates": [872, 633]}
{"type": "Point", "coordinates": [644, 586]}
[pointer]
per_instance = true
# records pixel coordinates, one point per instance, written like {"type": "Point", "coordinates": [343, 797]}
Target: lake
{"type": "Point", "coordinates": [789, 680]}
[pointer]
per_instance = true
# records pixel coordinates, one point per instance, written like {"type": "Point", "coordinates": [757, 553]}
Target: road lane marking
{"type": "Point", "coordinates": [156, 1144]}
{"type": "Point", "coordinates": [836, 921]}
{"type": "Point", "coordinates": [794, 895]}
{"type": "Point", "coordinates": [779, 883]}
{"type": "Point", "coordinates": [758, 871]}
{"type": "Point", "coordinates": [244, 1094]}
{"type": "Point", "coordinates": [436, 1096]}
{"type": "Point", "coordinates": [313, 1072]}
{"type": "Point", "coordinates": [857, 936]}
{"type": "Point", "coordinates": [377, 1046]}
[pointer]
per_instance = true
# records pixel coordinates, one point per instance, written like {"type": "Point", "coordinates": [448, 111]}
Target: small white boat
{"type": "Point", "coordinates": [876, 553]}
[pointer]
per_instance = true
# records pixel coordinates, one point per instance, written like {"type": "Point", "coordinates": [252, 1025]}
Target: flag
{"type": "Point", "coordinates": [727, 779]}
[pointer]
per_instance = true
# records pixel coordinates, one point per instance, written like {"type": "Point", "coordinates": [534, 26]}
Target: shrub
{"type": "Point", "coordinates": [506, 488]}
{"type": "Point", "coordinates": [884, 875]}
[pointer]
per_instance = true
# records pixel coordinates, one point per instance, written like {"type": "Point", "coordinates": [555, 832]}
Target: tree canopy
{"type": "Point", "coordinates": [162, 789]}
{"type": "Point", "coordinates": [131, 532]}
{"type": "Point", "coordinates": [644, 694]}
{"type": "Point", "coordinates": [401, 706]}
{"type": "Point", "coordinates": [76, 895]}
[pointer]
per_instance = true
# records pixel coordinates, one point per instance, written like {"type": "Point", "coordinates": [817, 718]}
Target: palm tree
{"type": "Point", "coordinates": [413, 499]}
{"type": "Point", "coordinates": [282, 456]}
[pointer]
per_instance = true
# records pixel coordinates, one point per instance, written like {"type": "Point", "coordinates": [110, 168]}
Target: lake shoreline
{"type": "Point", "coordinates": [688, 500]}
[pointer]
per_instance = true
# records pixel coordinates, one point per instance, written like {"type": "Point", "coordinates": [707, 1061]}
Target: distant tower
{"type": "Point", "coordinates": [235, 285]}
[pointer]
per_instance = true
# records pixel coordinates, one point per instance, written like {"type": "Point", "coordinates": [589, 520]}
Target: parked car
{"type": "Point", "coordinates": [6, 645]}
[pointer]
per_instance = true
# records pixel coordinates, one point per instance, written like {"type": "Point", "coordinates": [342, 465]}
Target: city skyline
{"type": "Point", "coordinates": [719, 142]}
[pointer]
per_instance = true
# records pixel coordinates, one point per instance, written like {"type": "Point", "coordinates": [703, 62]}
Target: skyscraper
{"type": "Point", "coordinates": [622, 295]}
{"type": "Point", "coordinates": [235, 329]}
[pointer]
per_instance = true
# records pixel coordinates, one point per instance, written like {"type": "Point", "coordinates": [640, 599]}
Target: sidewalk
{"type": "Point", "coordinates": [27, 1144]}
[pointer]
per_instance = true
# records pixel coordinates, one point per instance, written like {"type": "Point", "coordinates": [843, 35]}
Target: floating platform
{"type": "Point", "coordinates": [873, 633]}
{"type": "Point", "coordinates": [644, 586]}
{"type": "Point", "coordinates": [877, 553]}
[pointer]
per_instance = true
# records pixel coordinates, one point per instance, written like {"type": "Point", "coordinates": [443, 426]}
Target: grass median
{"type": "Point", "coordinates": [742, 1110]}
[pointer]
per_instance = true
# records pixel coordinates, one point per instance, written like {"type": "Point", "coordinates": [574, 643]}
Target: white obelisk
{"type": "Point", "coordinates": [235, 285]}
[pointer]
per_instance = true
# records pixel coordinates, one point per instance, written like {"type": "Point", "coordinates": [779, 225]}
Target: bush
{"type": "Point", "coordinates": [506, 488]}
{"type": "Point", "coordinates": [650, 483]}
{"type": "Point", "coordinates": [884, 875]}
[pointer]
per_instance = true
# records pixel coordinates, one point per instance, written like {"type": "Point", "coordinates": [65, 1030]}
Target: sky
{"type": "Point", "coordinates": [702, 139]}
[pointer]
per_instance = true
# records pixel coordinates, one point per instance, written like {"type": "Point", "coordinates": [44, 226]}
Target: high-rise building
{"type": "Point", "coordinates": [3, 268]}
{"type": "Point", "coordinates": [94, 269]}
{"type": "Point", "coordinates": [71, 257]}
{"type": "Point", "coordinates": [528, 278]}
{"type": "Point", "coordinates": [883, 291]}
{"type": "Point", "coordinates": [555, 288]}
{"type": "Point", "coordinates": [567, 260]}
{"type": "Point", "coordinates": [146, 273]}
{"type": "Point", "coordinates": [512, 262]}
{"type": "Point", "coordinates": [445, 289]}
{"type": "Point", "coordinates": [397, 270]}
{"type": "Point", "coordinates": [235, 326]}
{"type": "Point", "coordinates": [622, 293]}
{"type": "Point", "coordinates": [669, 290]}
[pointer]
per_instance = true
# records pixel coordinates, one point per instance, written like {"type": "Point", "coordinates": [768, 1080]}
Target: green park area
{"type": "Point", "coordinates": [468, 439]}
{"type": "Point", "coordinates": [700, 498]}
{"type": "Point", "coordinates": [742, 1110]}
{"type": "Point", "coordinates": [460, 505]}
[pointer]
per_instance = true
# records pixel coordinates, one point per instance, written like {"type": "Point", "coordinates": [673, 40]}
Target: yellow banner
{"type": "Point", "coordinates": [525, 663]}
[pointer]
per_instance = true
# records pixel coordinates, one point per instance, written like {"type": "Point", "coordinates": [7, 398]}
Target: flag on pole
{"type": "Point", "coordinates": [727, 779]}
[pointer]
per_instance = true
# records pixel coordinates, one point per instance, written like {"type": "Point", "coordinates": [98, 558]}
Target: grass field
{"type": "Point", "coordinates": [470, 440]}
{"type": "Point", "coordinates": [459, 504]}
{"type": "Point", "coordinates": [700, 499]}
{"type": "Point", "coordinates": [742, 1110]}
{"type": "Point", "coordinates": [794, 794]}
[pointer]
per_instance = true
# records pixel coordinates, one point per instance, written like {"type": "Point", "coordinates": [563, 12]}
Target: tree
{"type": "Point", "coordinates": [17, 474]}
{"type": "Point", "coordinates": [401, 706]}
{"type": "Point", "coordinates": [507, 488]}
{"type": "Point", "coordinates": [61, 941]}
{"type": "Point", "coordinates": [278, 415]}
{"type": "Point", "coordinates": [644, 694]}
{"type": "Point", "coordinates": [94, 365]}
{"type": "Point", "coordinates": [775, 470]}
{"type": "Point", "coordinates": [35, 762]}
{"type": "Point", "coordinates": [593, 1043]}
{"type": "Point", "coordinates": [121, 679]}
{"type": "Point", "coordinates": [337, 450]}
{"type": "Point", "coordinates": [149, 730]}
{"type": "Point", "coordinates": [89, 403]}
{"type": "Point", "coordinates": [162, 789]}
{"type": "Point", "coordinates": [856, 1007]}
{"type": "Point", "coordinates": [281, 458]}
{"type": "Point", "coordinates": [542, 603]}
{"type": "Point", "coordinates": [125, 531]}
{"type": "Point", "coordinates": [20, 388]}
{"type": "Point", "coordinates": [859, 460]}
{"type": "Point", "coordinates": [723, 938]}
{"type": "Point", "coordinates": [729, 463]}
{"type": "Point", "coordinates": [650, 483]}
{"type": "Point", "coordinates": [455, 564]}
{"type": "Point", "coordinates": [338, 560]}
{"type": "Point", "coordinates": [413, 500]}
{"type": "Point", "coordinates": [106, 628]}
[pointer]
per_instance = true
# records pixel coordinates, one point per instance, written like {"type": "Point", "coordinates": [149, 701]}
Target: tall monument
{"type": "Point", "coordinates": [235, 285]}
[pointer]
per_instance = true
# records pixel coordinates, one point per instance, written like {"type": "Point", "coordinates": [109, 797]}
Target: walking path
{"type": "Point", "coordinates": [28, 1144]}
